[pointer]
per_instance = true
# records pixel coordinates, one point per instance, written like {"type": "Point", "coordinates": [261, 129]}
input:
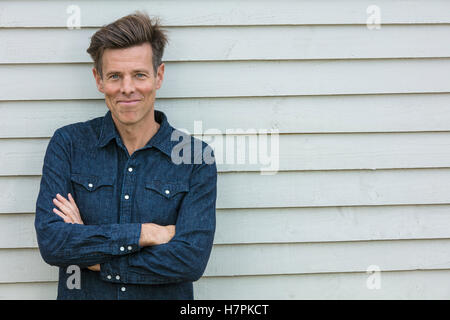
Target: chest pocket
{"type": "Point", "coordinates": [162, 200]}
{"type": "Point", "coordinates": [93, 196]}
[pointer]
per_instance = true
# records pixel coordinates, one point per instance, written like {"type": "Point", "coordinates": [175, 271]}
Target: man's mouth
{"type": "Point", "coordinates": [128, 102]}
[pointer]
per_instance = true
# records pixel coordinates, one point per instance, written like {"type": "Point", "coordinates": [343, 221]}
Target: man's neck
{"type": "Point", "coordinates": [136, 136]}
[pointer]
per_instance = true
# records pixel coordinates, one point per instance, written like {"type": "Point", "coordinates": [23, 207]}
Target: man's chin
{"type": "Point", "coordinates": [126, 118]}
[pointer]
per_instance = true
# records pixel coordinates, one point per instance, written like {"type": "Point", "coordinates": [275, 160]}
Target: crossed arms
{"type": "Point", "coordinates": [143, 253]}
{"type": "Point", "coordinates": [151, 233]}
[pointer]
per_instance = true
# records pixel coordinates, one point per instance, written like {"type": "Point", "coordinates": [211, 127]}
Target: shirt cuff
{"type": "Point", "coordinates": [110, 271]}
{"type": "Point", "coordinates": [126, 242]}
{"type": "Point", "coordinates": [126, 238]}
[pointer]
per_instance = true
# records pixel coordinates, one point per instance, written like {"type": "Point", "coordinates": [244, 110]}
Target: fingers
{"type": "Point", "coordinates": [61, 206]}
{"type": "Point", "coordinates": [72, 202]}
{"type": "Point", "coordinates": [66, 218]}
{"type": "Point", "coordinates": [67, 204]}
{"type": "Point", "coordinates": [68, 210]}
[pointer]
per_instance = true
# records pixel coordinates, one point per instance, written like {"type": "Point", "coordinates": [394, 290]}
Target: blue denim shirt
{"type": "Point", "coordinates": [115, 193]}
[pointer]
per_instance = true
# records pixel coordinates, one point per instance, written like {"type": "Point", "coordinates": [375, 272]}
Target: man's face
{"type": "Point", "coordinates": [129, 83]}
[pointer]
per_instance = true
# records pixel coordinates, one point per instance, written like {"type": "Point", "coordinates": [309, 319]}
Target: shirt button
{"type": "Point", "coordinates": [109, 277]}
{"type": "Point", "coordinates": [130, 247]}
{"type": "Point", "coordinates": [122, 249]}
{"type": "Point", "coordinates": [90, 185]}
{"type": "Point", "coordinates": [123, 289]}
{"type": "Point", "coordinates": [117, 277]}
{"type": "Point", "coordinates": [127, 197]}
{"type": "Point", "coordinates": [167, 191]}
{"type": "Point", "coordinates": [130, 169]}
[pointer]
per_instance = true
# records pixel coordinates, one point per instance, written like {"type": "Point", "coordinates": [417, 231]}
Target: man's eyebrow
{"type": "Point", "coordinates": [134, 71]}
{"type": "Point", "coordinates": [113, 72]}
{"type": "Point", "coordinates": [141, 70]}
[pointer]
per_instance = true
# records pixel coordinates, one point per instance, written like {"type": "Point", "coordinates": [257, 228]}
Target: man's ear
{"type": "Point", "coordinates": [98, 80]}
{"type": "Point", "coordinates": [160, 76]}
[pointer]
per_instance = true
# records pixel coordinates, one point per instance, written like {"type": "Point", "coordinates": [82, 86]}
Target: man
{"type": "Point", "coordinates": [115, 202]}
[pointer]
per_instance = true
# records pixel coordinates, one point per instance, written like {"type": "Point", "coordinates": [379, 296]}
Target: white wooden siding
{"type": "Point", "coordinates": [364, 122]}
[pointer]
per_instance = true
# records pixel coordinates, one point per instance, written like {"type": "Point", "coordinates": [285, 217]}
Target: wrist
{"type": "Point", "coordinates": [146, 238]}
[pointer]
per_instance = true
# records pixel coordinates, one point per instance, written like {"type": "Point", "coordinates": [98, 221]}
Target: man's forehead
{"type": "Point", "coordinates": [139, 56]}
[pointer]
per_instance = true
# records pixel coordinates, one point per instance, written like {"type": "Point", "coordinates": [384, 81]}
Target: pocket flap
{"type": "Point", "coordinates": [91, 182]}
{"type": "Point", "coordinates": [166, 188]}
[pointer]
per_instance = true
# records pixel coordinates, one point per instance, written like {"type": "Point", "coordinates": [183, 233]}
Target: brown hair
{"type": "Point", "coordinates": [128, 31]}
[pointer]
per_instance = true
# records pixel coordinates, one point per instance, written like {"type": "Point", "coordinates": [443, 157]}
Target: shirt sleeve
{"type": "Point", "coordinates": [185, 256]}
{"type": "Point", "coordinates": [62, 244]}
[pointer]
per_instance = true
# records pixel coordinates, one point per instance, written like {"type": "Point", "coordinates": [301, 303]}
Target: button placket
{"type": "Point", "coordinates": [127, 191]}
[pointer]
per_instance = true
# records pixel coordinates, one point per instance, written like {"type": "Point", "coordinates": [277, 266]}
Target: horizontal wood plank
{"type": "Point", "coordinates": [241, 43]}
{"type": "Point", "coordinates": [256, 78]}
{"type": "Point", "coordinates": [288, 189]}
{"type": "Point", "coordinates": [296, 114]}
{"type": "Point", "coordinates": [56, 13]}
{"type": "Point", "coordinates": [292, 258]}
{"type": "Point", "coordinates": [287, 152]}
{"type": "Point", "coordinates": [287, 225]}
{"type": "Point", "coordinates": [398, 285]}
{"type": "Point", "coordinates": [403, 285]}
{"type": "Point", "coordinates": [17, 231]}
{"type": "Point", "coordinates": [29, 291]}
{"type": "Point", "coordinates": [328, 224]}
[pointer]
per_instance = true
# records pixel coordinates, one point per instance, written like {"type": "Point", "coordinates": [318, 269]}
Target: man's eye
{"type": "Point", "coordinates": [114, 76]}
{"type": "Point", "coordinates": [140, 75]}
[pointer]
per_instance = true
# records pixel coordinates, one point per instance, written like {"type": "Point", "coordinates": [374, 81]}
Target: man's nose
{"type": "Point", "coordinates": [127, 85]}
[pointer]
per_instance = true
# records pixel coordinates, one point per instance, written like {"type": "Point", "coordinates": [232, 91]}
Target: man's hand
{"type": "Point", "coordinates": [70, 214]}
{"type": "Point", "coordinates": [69, 210]}
{"type": "Point", "coordinates": [95, 267]}
{"type": "Point", "coordinates": [153, 234]}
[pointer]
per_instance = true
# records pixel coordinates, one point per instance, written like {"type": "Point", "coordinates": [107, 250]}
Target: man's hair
{"type": "Point", "coordinates": [128, 31]}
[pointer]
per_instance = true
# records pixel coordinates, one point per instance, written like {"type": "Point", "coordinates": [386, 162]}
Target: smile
{"type": "Point", "coordinates": [129, 102]}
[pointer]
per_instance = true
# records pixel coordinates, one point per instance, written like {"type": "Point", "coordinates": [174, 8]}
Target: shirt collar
{"type": "Point", "coordinates": [161, 140]}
